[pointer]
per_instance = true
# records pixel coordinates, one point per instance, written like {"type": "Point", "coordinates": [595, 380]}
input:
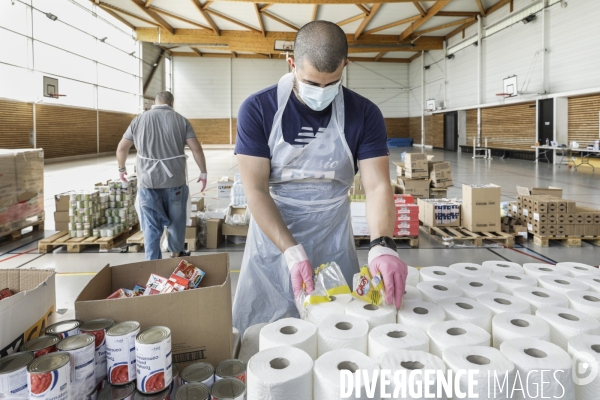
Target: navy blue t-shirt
{"type": "Point", "coordinates": [364, 126]}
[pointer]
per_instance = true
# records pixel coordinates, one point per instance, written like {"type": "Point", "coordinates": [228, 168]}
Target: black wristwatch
{"type": "Point", "coordinates": [384, 241]}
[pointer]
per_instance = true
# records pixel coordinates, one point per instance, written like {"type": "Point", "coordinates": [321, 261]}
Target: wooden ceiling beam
{"type": "Point", "coordinates": [207, 4]}
{"type": "Point", "coordinates": [177, 17]}
{"type": "Point", "coordinates": [220, 55]}
{"type": "Point", "coordinates": [351, 19]}
{"type": "Point", "coordinates": [233, 53]}
{"type": "Point", "coordinates": [152, 14]}
{"type": "Point", "coordinates": [378, 56]}
{"type": "Point", "coordinates": [457, 14]}
{"type": "Point", "coordinates": [414, 57]}
{"type": "Point", "coordinates": [366, 20]}
{"type": "Point", "coordinates": [260, 20]}
{"type": "Point", "coordinates": [318, 1]}
{"type": "Point", "coordinates": [459, 29]}
{"type": "Point", "coordinates": [280, 20]}
{"type": "Point", "coordinates": [233, 21]}
{"type": "Point", "coordinates": [108, 7]}
{"type": "Point", "coordinates": [393, 24]}
{"type": "Point", "coordinates": [206, 17]}
{"type": "Point", "coordinates": [444, 26]}
{"type": "Point", "coordinates": [117, 16]}
{"type": "Point", "coordinates": [420, 8]}
{"type": "Point", "coordinates": [481, 8]}
{"type": "Point", "coordinates": [418, 23]}
{"type": "Point", "coordinates": [497, 6]}
{"type": "Point", "coordinates": [385, 60]}
{"type": "Point", "coordinates": [148, 3]}
{"type": "Point", "coordinates": [195, 50]}
{"type": "Point", "coordinates": [153, 71]}
{"type": "Point", "coordinates": [363, 8]}
{"type": "Point", "coordinates": [263, 8]}
{"type": "Point", "coordinates": [314, 13]}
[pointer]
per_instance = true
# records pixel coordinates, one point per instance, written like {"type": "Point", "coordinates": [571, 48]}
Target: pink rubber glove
{"type": "Point", "coordinates": [122, 176]}
{"type": "Point", "coordinates": [393, 272]}
{"type": "Point", "coordinates": [203, 180]}
{"type": "Point", "coordinates": [300, 269]}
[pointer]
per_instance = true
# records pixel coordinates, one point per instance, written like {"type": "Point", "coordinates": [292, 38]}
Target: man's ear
{"type": "Point", "coordinates": [291, 62]}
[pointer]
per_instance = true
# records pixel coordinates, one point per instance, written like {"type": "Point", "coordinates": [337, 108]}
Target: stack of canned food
{"type": "Point", "coordinates": [101, 360]}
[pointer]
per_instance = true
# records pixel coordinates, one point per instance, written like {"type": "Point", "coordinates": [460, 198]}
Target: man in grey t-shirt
{"type": "Point", "coordinates": [160, 136]}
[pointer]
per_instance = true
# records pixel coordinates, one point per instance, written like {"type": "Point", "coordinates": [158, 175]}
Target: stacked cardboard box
{"type": "Point", "coordinates": [481, 208]}
{"type": "Point", "coordinates": [439, 212]}
{"type": "Point", "coordinates": [412, 175]}
{"type": "Point", "coordinates": [406, 222]}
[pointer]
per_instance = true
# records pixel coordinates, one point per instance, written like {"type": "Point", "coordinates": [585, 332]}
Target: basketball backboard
{"type": "Point", "coordinates": [431, 105]}
{"type": "Point", "coordinates": [50, 87]}
{"type": "Point", "coordinates": [284, 45]}
{"type": "Point", "coordinates": [510, 86]}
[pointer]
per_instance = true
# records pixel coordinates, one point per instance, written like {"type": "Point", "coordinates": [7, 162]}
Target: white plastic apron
{"type": "Point", "coordinates": [309, 186]}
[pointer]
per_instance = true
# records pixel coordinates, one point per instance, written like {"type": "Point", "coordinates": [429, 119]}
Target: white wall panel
{"type": "Point", "coordinates": [13, 48]}
{"type": "Point", "coordinates": [14, 17]}
{"type": "Point", "coordinates": [59, 34]}
{"type": "Point", "coordinates": [251, 75]}
{"type": "Point", "coordinates": [15, 83]}
{"type": "Point", "coordinates": [59, 62]}
{"type": "Point", "coordinates": [415, 101]}
{"type": "Point", "coordinates": [114, 100]}
{"type": "Point", "coordinates": [461, 78]}
{"type": "Point", "coordinates": [115, 79]}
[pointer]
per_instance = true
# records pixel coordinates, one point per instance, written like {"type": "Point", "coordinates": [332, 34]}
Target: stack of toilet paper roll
{"type": "Point", "coordinates": [409, 361]}
{"type": "Point", "coordinates": [473, 287]}
{"type": "Point", "coordinates": [342, 332]}
{"type": "Point", "coordinates": [317, 312]}
{"type": "Point", "coordinates": [468, 310]}
{"type": "Point", "coordinates": [539, 297]}
{"type": "Point", "coordinates": [576, 269]}
{"type": "Point", "coordinates": [543, 367]}
{"type": "Point", "coordinates": [374, 315]}
{"type": "Point", "coordinates": [278, 372]}
{"type": "Point", "coordinates": [585, 351]}
{"type": "Point", "coordinates": [504, 267]}
{"type": "Point", "coordinates": [471, 270]}
{"type": "Point", "coordinates": [434, 291]}
{"type": "Point", "coordinates": [507, 326]}
{"type": "Point", "coordinates": [413, 276]}
{"type": "Point", "coordinates": [411, 293]}
{"type": "Point", "coordinates": [500, 302]}
{"type": "Point", "coordinates": [561, 283]}
{"type": "Point", "coordinates": [396, 336]}
{"type": "Point", "coordinates": [587, 302]}
{"type": "Point", "coordinates": [250, 342]}
{"type": "Point", "coordinates": [593, 281]}
{"type": "Point", "coordinates": [438, 274]}
{"type": "Point", "coordinates": [507, 282]}
{"type": "Point", "coordinates": [536, 270]}
{"type": "Point", "coordinates": [292, 332]}
{"type": "Point", "coordinates": [566, 323]}
{"type": "Point", "coordinates": [420, 314]}
{"type": "Point", "coordinates": [446, 334]}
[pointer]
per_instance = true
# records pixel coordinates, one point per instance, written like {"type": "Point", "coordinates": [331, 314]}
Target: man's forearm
{"type": "Point", "coordinates": [122, 157]}
{"type": "Point", "coordinates": [381, 213]}
{"type": "Point", "coordinates": [269, 219]}
{"type": "Point", "coordinates": [200, 159]}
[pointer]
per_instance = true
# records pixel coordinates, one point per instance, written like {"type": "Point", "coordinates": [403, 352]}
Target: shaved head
{"type": "Point", "coordinates": [322, 44]}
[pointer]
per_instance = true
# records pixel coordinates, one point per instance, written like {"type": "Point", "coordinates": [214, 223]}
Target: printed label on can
{"type": "Point", "coordinates": [52, 385]}
{"type": "Point", "coordinates": [14, 383]}
{"type": "Point", "coordinates": [67, 334]}
{"type": "Point", "coordinates": [153, 366]}
{"type": "Point", "coordinates": [47, 350]}
{"type": "Point", "coordinates": [120, 358]}
{"type": "Point", "coordinates": [83, 369]}
{"type": "Point", "coordinates": [100, 354]}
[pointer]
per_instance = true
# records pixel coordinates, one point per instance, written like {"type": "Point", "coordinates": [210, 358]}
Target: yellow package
{"type": "Point", "coordinates": [369, 289]}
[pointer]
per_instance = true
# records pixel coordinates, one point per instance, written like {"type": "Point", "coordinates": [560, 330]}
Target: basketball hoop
{"type": "Point", "coordinates": [56, 96]}
{"type": "Point", "coordinates": [502, 97]}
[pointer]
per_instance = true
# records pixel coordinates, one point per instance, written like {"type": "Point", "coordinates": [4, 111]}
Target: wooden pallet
{"type": "Point", "coordinates": [459, 233]}
{"type": "Point", "coordinates": [569, 241]}
{"type": "Point", "coordinates": [77, 245]}
{"type": "Point", "coordinates": [136, 243]}
{"type": "Point", "coordinates": [37, 225]}
{"type": "Point", "coordinates": [413, 241]}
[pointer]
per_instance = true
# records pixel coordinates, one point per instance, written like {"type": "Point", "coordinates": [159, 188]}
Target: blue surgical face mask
{"type": "Point", "coordinates": [317, 98]}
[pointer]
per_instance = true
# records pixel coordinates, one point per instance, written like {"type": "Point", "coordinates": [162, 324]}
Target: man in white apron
{"type": "Point", "coordinates": [298, 145]}
{"type": "Point", "coordinates": [160, 136]}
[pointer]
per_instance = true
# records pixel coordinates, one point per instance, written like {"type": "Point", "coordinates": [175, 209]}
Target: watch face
{"type": "Point", "coordinates": [389, 242]}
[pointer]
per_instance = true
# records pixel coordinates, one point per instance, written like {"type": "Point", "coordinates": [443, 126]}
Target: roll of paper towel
{"type": "Point", "coordinates": [443, 335]}
{"type": "Point", "coordinates": [509, 325]}
{"type": "Point", "coordinates": [473, 287]}
{"type": "Point", "coordinates": [411, 293]}
{"type": "Point", "coordinates": [539, 297]}
{"type": "Point", "coordinates": [413, 276]}
{"type": "Point", "coordinates": [566, 323]}
{"type": "Point", "coordinates": [561, 284]}
{"type": "Point", "coordinates": [374, 315]}
{"type": "Point", "coordinates": [421, 314]}
{"type": "Point", "coordinates": [328, 369]}
{"type": "Point", "coordinates": [317, 312]}
{"type": "Point", "coordinates": [544, 369]}
{"type": "Point", "coordinates": [438, 274]}
{"type": "Point", "coordinates": [500, 302]}
{"type": "Point", "coordinates": [291, 332]}
{"type": "Point", "coordinates": [471, 270]}
{"type": "Point", "coordinates": [592, 281]}
{"type": "Point", "coordinates": [434, 291]}
{"type": "Point", "coordinates": [489, 363]}
{"type": "Point", "coordinates": [342, 332]}
{"type": "Point", "coordinates": [587, 302]}
{"type": "Point", "coordinates": [509, 282]}
{"type": "Point", "coordinates": [585, 351]}
{"type": "Point", "coordinates": [504, 267]}
{"type": "Point", "coordinates": [576, 269]}
{"type": "Point", "coordinates": [396, 336]}
{"type": "Point", "coordinates": [469, 310]}
{"type": "Point", "coordinates": [409, 361]}
{"type": "Point", "coordinates": [280, 373]}
{"type": "Point", "coordinates": [537, 269]}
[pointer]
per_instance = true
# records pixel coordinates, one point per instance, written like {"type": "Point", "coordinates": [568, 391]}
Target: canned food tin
{"type": "Point", "coordinates": [200, 372]}
{"type": "Point", "coordinates": [164, 395]}
{"type": "Point", "coordinates": [64, 329]}
{"type": "Point", "coordinates": [41, 345]}
{"type": "Point", "coordinates": [49, 376]}
{"type": "Point", "coordinates": [13, 374]}
{"type": "Point", "coordinates": [153, 359]}
{"type": "Point", "coordinates": [98, 327]}
{"type": "Point", "coordinates": [111, 392]}
{"type": "Point", "coordinates": [192, 391]}
{"type": "Point", "coordinates": [228, 389]}
{"type": "Point", "coordinates": [81, 347]}
{"type": "Point", "coordinates": [231, 369]}
{"type": "Point", "coordinates": [176, 380]}
{"type": "Point", "coordinates": [93, 395]}
{"type": "Point", "coordinates": [120, 352]}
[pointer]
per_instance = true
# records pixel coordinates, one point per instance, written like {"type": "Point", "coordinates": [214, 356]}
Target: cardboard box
{"type": "Point", "coordinates": [197, 204]}
{"type": "Point", "coordinates": [214, 233]}
{"type": "Point", "coordinates": [237, 215]}
{"type": "Point", "coordinates": [415, 162]}
{"type": "Point", "coordinates": [235, 239]}
{"type": "Point", "coordinates": [360, 227]}
{"type": "Point", "coordinates": [224, 188]}
{"type": "Point", "coordinates": [62, 201]}
{"type": "Point", "coordinates": [481, 195]}
{"type": "Point", "coordinates": [407, 212]}
{"type": "Point", "coordinates": [399, 168]}
{"type": "Point", "coordinates": [199, 319]}
{"type": "Point", "coordinates": [62, 216]}
{"type": "Point", "coordinates": [235, 230]}
{"type": "Point", "coordinates": [8, 179]}
{"type": "Point", "coordinates": [358, 209]}
{"type": "Point", "coordinates": [561, 230]}
{"type": "Point", "coordinates": [191, 232]}
{"type": "Point", "coordinates": [405, 228]}
{"type": "Point", "coordinates": [418, 188]}
{"type": "Point", "coordinates": [438, 193]}
{"type": "Point", "coordinates": [481, 218]}
{"type": "Point", "coordinates": [416, 175]}
{"type": "Point", "coordinates": [441, 175]}
{"type": "Point", "coordinates": [403, 199]}
{"type": "Point", "coordinates": [439, 213]}
{"type": "Point", "coordinates": [61, 226]}
{"type": "Point", "coordinates": [538, 229]}
{"type": "Point", "coordinates": [25, 314]}
{"type": "Point", "coordinates": [549, 191]}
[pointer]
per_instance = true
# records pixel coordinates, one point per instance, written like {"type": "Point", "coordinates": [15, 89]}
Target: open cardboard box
{"type": "Point", "coordinates": [200, 319]}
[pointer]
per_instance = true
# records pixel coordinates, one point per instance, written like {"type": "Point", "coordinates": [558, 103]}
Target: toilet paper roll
{"type": "Point", "coordinates": [280, 373]}
{"type": "Point", "coordinates": [585, 349]}
{"type": "Point", "coordinates": [438, 274]}
{"type": "Point", "coordinates": [408, 361]}
{"type": "Point", "coordinates": [327, 375]}
{"type": "Point", "coordinates": [316, 313]}
{"type": "Point", "coordinates": [561, 284]}
{"type": "Point", "coordinates": [374, 315]}
{"type": "Point", "coordinates": [536, 270]}
{"type": "Point", "coordinates": [434, 291]}
{"type": "Point", "coordinates": [420, 314]}
{"type": "Point", "coordinates": [342, 332]}
{"type": "Point", "coordinates": [504, 267]}
{"type": "Point", "coordinates": [250, 342]}
{"type": "Point", "coordinates": [489, 363]}
{"type": "Point", "coordinates": [291, 332]}
{"type": "Point", "coordinates": [473, 287]}
{"type": "Point", "coordinates": [446, 334]}
{"type": "Point", "coordinates": [471, 270]}
{"type": "Point", "coordinates": [413, 276]}
{"type": "Point", "coordinates": [411, 293]}
{"type": "Point", "coordinates": [542, 367]}
{"type": "Point", "coordinates": [469, 310]}
{"type": "Point", "coordinates": [509, 282]}
{"type": "Point", "coordinates": [539, 297]}
{"type": "Point", "coordinates": [500, 302]}
{"type": "Point", "coordinates": [587, 302]}
{"type": "Point", "coordinates": [507, 326]}
{"type": "Point", "coordinates": [576, 269]}
{"type": "Point", "coordinates": [395, 337]}
{"type": "Point", "coordinates": [566, 323]}
{"type": "Point", "coordinates": [592, 281]}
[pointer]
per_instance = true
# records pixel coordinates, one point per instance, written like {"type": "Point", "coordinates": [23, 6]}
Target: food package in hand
{"type": "Point", "coordinates": [155, 285]}
{"type": "Point", "coordinates": [121, 294]}
{"type": "Point", "coordinates": [4, 293]}
{"type": "Point", "coordinates": [176, 284]}
{"type": "Point", "coordinates": [138, 290]}
{"type": "Point", "coordinates": [369, 288]}
{"type": "Point", "coordinates": [190, 272]}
